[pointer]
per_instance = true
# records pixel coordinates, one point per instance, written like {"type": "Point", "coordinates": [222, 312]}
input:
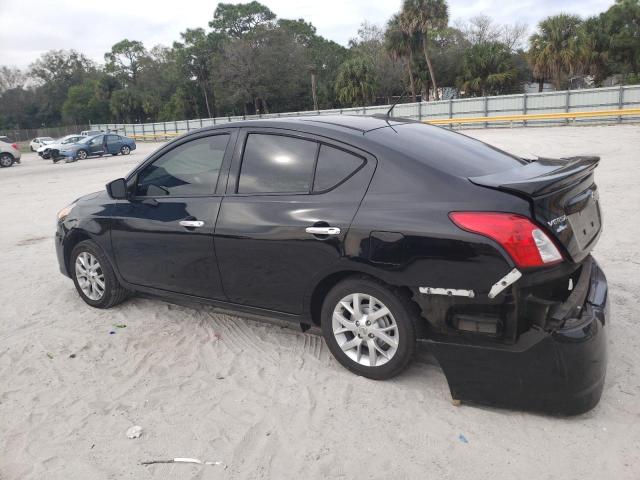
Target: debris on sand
{"type": "Point", "coordinates": [183, 460]}
{"type": "Point", "coordinates": [134, 432]}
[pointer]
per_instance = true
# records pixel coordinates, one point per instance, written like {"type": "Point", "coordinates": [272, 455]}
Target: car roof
{"type": "Point", "coordinates": [342, 125]}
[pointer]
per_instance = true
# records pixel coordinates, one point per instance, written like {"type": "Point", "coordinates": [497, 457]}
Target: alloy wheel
{"type": "Point", "coordinates": [126, 150]}
{"type": "Point", "coordinates": [90, 276]}
{"type": "Point", "coordinates": [6, 160]}
{"type": "Point", "coordinates": [365, 329]}
{"type": "Point", "coordinates": [82, 154]}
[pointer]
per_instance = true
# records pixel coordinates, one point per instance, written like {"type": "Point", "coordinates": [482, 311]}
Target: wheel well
{"type": "Point", "coordinates": [74, 238]}
{"type": "Point", "coordinates": [323, 288]}
{"type": "Point", "coordinates": [9, 154]}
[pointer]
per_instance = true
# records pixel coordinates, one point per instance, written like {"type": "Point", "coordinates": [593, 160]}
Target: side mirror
{"type": "Point", "coordinates": [117, 189]}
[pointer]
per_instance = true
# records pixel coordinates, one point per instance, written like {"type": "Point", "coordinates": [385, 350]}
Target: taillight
{"type": "Point", "coordinates": [522, 239]}
{"type": "Point", "coordinates": [14, 145]}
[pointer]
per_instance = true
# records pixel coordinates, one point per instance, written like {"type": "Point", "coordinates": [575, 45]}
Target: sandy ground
{"type": "Point", "coordinates": [270, 402]}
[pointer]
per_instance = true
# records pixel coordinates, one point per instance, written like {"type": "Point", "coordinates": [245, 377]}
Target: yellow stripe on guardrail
{"type": "Point", "coordinates": [154, 136]}
{"type": "Point", "coordinates": [537, 116]}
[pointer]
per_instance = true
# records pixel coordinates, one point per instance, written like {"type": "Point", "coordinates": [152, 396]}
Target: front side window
{"type": "Point", "coordinates": [189, 169]}
{"type": "Point", "coordinates": [277, 164]}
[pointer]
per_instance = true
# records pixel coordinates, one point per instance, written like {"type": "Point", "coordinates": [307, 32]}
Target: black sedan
{"type": "Point", "coordinates": [386, 233]}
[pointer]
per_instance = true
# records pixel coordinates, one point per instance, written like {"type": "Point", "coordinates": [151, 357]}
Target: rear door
{"type": "Point", "coordinates": [163, 237]}
{"type": "Point", "coordinates": [290, 200]}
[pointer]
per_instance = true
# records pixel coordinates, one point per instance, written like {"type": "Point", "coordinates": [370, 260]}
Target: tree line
{"type": "Point", "coordinates": [249, 61]}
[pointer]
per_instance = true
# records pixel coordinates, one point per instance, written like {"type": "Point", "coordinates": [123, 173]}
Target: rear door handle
{"type": "Point", "coordinates": [192, 223]}
{"type": "Point", "coordinates": [323, 230]}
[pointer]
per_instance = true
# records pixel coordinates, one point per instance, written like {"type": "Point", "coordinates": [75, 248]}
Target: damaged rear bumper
{"type": "Point", "coordinates": [560, 371]}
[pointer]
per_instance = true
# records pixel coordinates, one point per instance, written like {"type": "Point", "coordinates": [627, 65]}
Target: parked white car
{"type": "Point", "coordinates": [38, 142]}
{"type": "Point", "coordinates": [90, 133]}
{"type": "Point", "coordinates": [51, 150]}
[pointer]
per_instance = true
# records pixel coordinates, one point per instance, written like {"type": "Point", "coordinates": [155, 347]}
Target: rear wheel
{"type": "Point", "coordinates": [6, 160]}
{"type": "Point", "coordinates": [93, 276]}
{"type": "Point", "coordinates": [369, 328]}
{"type": "Point", "coordinates": [125, 150]}
{"type": "Point", "coordinates": [81, 155]}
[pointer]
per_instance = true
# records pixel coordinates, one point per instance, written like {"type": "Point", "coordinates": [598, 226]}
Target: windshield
{"type": "Point", "coordinates": [88, 139]}
{"type": "Point", "coordinates": [68, 139]}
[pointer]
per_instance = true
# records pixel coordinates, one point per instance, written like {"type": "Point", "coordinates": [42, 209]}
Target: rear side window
{"type": "Point", "coordinates": [447, 151]}
{"type": "Point", "coordinates": [334, 166]}
{"type": "Point", "coordinates": [189, 169]}
{"type": "Point", "coordinates": [277, 164]}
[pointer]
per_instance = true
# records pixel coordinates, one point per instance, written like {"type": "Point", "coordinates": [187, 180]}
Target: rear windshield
{"type": "Point", "coordinates": [448, 151]}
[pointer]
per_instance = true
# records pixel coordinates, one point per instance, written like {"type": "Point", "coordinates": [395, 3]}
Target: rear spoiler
{"type": "Point", "coordinates": [540, 177]}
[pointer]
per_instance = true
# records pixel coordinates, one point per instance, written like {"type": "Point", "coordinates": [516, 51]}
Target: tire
{"type": "Point", "coordinates": [6, 160]}
{"type": "Point", "coordinates": [32, 149]}
{"type": "Point", "coordinates": [125, 150]}
{"type": "Point", "coordinates": [82, 154]}
{"type": "Point", "coordinates": [111, 292]}
{"type": "Point", "coordinates": [398, 324]}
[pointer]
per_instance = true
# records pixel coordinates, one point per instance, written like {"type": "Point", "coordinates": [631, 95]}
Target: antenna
{"type": "Point", "coordinates": [395, 103]}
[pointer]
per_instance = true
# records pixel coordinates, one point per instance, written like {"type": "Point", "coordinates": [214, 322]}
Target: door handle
{"type": "Point", "coordinates": [323, 230]}
{"type": "Point", "coordinates": [192, 223]}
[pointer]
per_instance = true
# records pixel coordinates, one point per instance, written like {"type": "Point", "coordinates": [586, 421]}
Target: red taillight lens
{"type": "Point", "coordinates": [523, 240]}
{"type": "Point", "coordinates": [14, 145]}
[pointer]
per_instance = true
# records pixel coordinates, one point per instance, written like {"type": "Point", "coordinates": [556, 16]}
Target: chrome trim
{"type": "Point", "coordinates": [509, 279]}
{"type": "Point", "coordinates": [451, 292]}
{"type": "Point", "coordinates": [192, 223]}
{"type": "Point", "coordinates": [323, 230]}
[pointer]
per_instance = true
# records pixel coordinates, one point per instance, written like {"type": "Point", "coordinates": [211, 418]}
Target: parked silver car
{"type": "Point", "coordinates": [9, 153]}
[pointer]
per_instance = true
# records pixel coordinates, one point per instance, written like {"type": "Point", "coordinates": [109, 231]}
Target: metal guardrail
{"type": "Point", "coordinates": [488, 111]}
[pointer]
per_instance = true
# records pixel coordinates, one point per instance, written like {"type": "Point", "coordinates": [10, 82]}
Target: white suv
{"type": "Point", "coordinates": [38, 142]}
{"type": "Point", "coordinates": [9, 152]}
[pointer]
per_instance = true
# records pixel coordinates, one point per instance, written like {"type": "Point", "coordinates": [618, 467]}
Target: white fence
{"type": "Point", "coordinates": [610, 98]}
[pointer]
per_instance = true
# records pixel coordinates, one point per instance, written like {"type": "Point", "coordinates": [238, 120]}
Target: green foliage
{"type": "Point", "coordinates": [355, 84]}
{"type": "Point", "coordinates": [125, 60]}
{"type": "Point", "coordinates": [488, 69]}
{"type": "Point", "coordinates": [235, 20]}
{"type": "Point", "coordinates": [554, 49]}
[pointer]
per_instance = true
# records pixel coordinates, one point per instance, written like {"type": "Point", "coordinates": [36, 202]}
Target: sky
{"type": "Point", "coordinates": [28, 28]}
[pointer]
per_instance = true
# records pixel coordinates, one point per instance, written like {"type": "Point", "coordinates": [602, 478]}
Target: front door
{"type": "Point", "coordinates": [113, 144]}
{"type": "Point", "coordinates": [96, 145]}
{"type": "Point", "coordinates": [163, 237]}
{"type": "Point", "coordinates": [285, 216]}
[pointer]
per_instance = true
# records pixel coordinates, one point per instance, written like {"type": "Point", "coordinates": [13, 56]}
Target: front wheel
{"type": "Point", "coordinates": [93, 276]}
{"type": "Point", "coordinates": [369, 328]}
{"type": "Point", "coordinates": [125, 150]}
{"type": "Point", "coordinates": [6, 160]}
{"type": "Point", "coordinates": [81, 155]}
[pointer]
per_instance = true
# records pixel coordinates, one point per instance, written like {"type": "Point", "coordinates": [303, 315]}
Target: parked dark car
{"type": "Point", "coordinates": [98, 145]}
{"type": "Point", "coordinates": [385, 233]}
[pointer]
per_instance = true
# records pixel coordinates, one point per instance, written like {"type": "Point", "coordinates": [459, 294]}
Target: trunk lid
{"type": "Point", "coordinates": [563, 195]}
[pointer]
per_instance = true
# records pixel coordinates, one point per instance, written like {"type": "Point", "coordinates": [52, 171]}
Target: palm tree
{"type": "Point", "coordinates": [488, 69]}
{"type": "Point", "coordinates": [425, 16]}
{"type": "Point", "coordinates": [553, 51]}
{"type": "Point", "coordinates": [400, 44]}
{"type": "Point", "coordinates": [593, 49]}
{"type": "Point", "coordinates": [355, 83]}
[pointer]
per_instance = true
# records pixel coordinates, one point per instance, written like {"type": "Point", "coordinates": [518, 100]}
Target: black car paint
{"type": "Point", "coordinates": [393, 214]}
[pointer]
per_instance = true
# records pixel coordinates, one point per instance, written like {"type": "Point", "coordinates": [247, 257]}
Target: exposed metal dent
{"type": "Point", "coordinates": [509, 279]}
{"type": "Point", "coordinates": [451, 292]}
